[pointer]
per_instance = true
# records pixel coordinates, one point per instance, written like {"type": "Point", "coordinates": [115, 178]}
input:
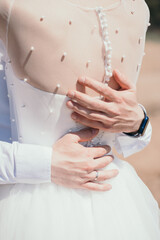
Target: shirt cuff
{"type": "Point", "coordinates": [33, 163]}
{"type": "Point", "coordinates": [128, 145]}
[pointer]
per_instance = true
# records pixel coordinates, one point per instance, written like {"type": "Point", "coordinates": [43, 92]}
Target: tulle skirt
{"type": "Point", "coordinates": [53, 212]}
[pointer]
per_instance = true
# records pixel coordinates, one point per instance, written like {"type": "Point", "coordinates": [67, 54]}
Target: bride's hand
{"type": "Point", "coordinates": [74, 165]}
{"type": "Point", "coordinates": [118, 112]}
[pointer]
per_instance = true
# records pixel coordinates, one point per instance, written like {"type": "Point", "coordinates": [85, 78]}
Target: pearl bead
{"type": "Point", "coordinates": [104, 22]}
{"type": "Point", "coordinates": [122, 58]}
{"type": "Point", "coordinates": [4, 77]}
{"type": "Point", "coordinates": [63, 56]}
{"type": "Point", "coordinates": [42, 18]}
{"type": "Point", "coordinates": [109, 56]}
{"type": "Point", "coordinates": [109, 67]}
{"type": "Point", "coordinates": [149, 24]}
{"type": "Point", "coordinates": [32, 49]}
{"type": "Point", "coordinates": [8, 96]}
{"type": "Point", "coordinates": [88, 62]}
{"type": "Point", "coordinates": [13, 120]}
{"type": "Point", "coordinates": [99, 9]}
{"type": "Point", "coordinates": [25, 79]}
{"type": "Point", "coordinates": [108, 61]}
{"type": "Point", "coordinates": [10, 139]}
{"type": "Point", "coordinates": [51, 110]}
{"type": "Point", "coordinates": [58, 85]}
{"type": "Point", "coordinates": [104, 28]}
{"type": "Point", "coordinates": [117, 31]}
{"type": "Point", "coordinates": [138, 66]}
{"type": "Point", "coordinates": [140, 39]}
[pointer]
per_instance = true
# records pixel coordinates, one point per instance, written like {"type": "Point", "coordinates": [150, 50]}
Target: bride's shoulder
{"type": "Point", "coordinates": [143, 9]}
{"type": "Point", "coordinates": [147, 10]}
{"type": "Point", "coordinates": [4, 7]}
{"type": "Point", "coordinates": [4, 12]}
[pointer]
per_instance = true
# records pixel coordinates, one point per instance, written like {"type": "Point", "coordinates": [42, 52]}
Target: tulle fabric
{"type": "Point", "coordinates": [49, 211]}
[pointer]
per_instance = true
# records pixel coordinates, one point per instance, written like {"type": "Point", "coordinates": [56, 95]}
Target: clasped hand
{"type": "Point", "coordinates": [117, 112]}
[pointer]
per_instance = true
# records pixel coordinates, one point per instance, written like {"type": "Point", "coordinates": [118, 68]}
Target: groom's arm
{"type": "Point", "coordinates": [19, 163]}
{"type": "Point", "coordinates": [127, 145]}
{"type": "Point", "coordinates": [24, 163]}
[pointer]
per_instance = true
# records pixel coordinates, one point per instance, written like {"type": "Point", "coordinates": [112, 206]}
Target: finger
{"type": "Point", "coordinates": [89, 113]}
{"type": "Point", "coordinates": [98, 151]}
{"type": "Point", "coordinates": [102, 175]}
{"type": "Point", "coordinates": [87, 101]}
{"type": "Point", "coordinates": [92, 165]}
{"type": "Point", "coordinates": [122, 80]}
{"type": "Point", "coordinates": [96, 186]}
{"type": "Point", "coordinates": [99, 87]}
{"type": "Point", "coordinates": [83, 135]}
{"type": "Point", "coordinates": [92, 123]}
{"type": "Point", "coordinates": [102, 162]}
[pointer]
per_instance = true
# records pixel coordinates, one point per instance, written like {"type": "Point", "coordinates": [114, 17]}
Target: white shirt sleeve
{"type": "Point", "coordinates": [19, 163]}
{"type": "Point", "coordinates": [24, 163]}
{"type": "Point", "coordinates": [127, 145]}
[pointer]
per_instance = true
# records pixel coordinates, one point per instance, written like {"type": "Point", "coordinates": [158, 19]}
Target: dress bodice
{"type": "Point", "coordinates": [40, 117]}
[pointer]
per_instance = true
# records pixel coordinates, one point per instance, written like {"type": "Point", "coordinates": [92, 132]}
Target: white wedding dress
{"type": "Point", "coordinates": [53, 212]}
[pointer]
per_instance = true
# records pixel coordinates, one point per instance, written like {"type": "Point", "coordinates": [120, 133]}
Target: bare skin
{"type": "Point", "coordinates": [27, 30]}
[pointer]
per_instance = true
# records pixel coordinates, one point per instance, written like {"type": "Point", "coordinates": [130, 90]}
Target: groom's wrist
{"type": "Point", "coordinates": [142, 123]}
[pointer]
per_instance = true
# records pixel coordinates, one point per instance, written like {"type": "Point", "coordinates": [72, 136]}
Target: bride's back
{"type": "Point", "coordinates": [55, 42]}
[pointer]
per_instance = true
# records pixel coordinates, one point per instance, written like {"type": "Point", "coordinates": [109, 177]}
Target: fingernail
{"type": "Point", "coordinates": [108, 148]}
{"type": "Point", "coordinates": [81, 80]}
{"type": "Point", "coordinates": [71, 94]}
{"type": "Point", "coordinates": [115, 171]}
{"type": "Point", "coordinates": [111, 158]}
{"type": "Point", "coordinates": [109, 187]}
{"type": "Point", "coordinates": [69, 104]}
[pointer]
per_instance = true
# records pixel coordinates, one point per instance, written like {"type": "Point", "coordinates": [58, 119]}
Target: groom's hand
{"type": "Point", "coordinates": [117, 112]}
{"type": "Point", "coordinates": [75, 166]}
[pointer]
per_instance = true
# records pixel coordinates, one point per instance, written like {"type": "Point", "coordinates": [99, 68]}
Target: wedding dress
{"type": "Point", "coordinates": [53, 212]}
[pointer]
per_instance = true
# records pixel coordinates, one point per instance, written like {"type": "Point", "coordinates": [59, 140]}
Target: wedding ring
{"type": "Point", "coordinates": [96, 176]}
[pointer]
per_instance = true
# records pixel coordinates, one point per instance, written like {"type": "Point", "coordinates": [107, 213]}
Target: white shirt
{"type": "Point", "coordinates": [26, 163]}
